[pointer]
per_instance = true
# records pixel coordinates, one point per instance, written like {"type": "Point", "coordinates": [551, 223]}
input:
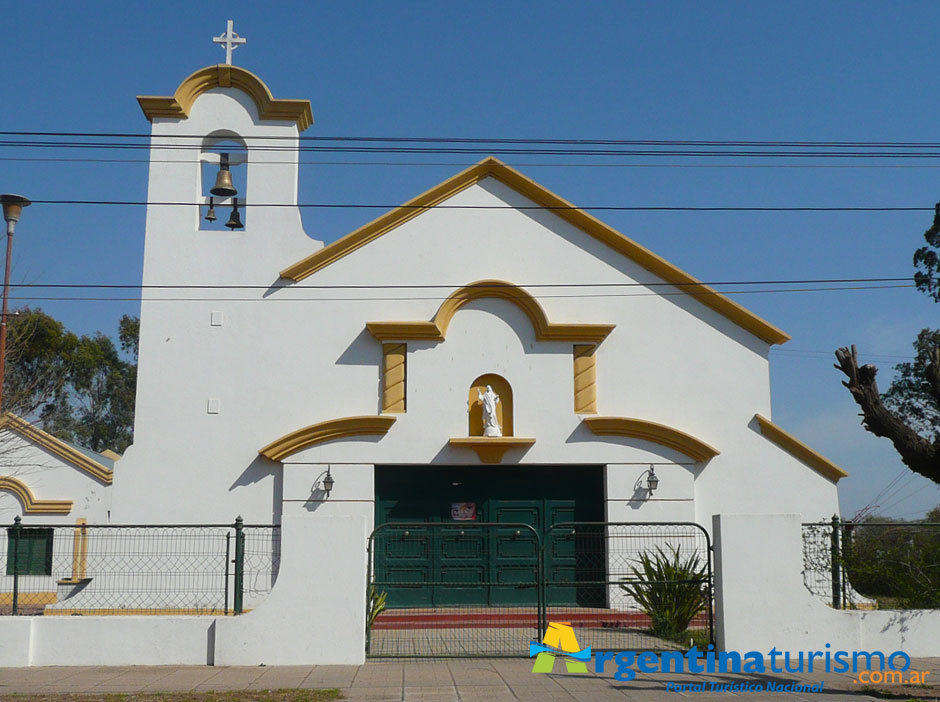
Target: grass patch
{"type": "Point", "coordinates": [231, 696]}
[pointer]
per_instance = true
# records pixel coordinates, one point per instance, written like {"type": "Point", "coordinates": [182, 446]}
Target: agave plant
{"type": "Point", "coordinates": [376, 604]}
{"type": "Point", "coordinates": [669, 588]}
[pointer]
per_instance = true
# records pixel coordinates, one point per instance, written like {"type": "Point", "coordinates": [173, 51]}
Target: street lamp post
{"type": "Point", "coordinates": [12, 208]}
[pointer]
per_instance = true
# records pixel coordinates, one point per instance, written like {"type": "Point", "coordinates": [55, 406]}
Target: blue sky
{"type": "Point", "coordinates": [795, 71]}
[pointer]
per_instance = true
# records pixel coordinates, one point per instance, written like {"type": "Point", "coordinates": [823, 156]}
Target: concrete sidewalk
{"type": "Point", "coordinates": [488, 680]}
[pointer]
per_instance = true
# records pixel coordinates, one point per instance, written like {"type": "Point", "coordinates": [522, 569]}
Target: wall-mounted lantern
{"type": "Point", "coordinates": [652, 482]}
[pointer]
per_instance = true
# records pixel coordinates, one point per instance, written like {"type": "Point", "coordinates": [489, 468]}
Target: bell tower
{"type": "Point", "coordinates": [221, 222]}
{"type": "Point", "coordinates": [223, 178]}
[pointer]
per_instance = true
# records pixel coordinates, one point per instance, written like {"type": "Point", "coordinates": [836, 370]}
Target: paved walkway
{"type": "Point", "coordinates": [490, 680]}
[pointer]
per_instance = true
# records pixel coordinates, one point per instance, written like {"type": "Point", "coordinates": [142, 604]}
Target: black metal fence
{"type": "Point", "coordinates": [490, 589]}
{"type": "Point", "coordinates": [873, 565]}
{"type": "Point", "coordinates": [86, 569]}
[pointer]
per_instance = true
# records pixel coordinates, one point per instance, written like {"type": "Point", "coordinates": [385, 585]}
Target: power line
{"type": "Point", "coordinates": [412, 286]}
{"type": "Point", "coordinates": [851, 166]}
{"type": "Point", "coordinates": [501, 150]}
{"type": "Point", "coordinates": [504, 140]}
{"type": "Point", "coordinates": [604, 208]}
{"type": "Point", "coordinates": [439, 297]}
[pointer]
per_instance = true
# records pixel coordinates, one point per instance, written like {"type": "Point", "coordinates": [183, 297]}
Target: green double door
{"type": "Point", "coordinates": [453, 561]}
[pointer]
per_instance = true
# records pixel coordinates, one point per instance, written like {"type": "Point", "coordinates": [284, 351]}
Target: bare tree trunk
{"type": "Point", "coordinates": [917, 453]}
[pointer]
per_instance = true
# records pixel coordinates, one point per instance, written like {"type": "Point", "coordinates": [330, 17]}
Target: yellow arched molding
{"type": "Point", "coordinates": [56, 447]}
{"type": "Point", "coordinates": [341, 428]}
{"type": "Point", "coordinates": [30, 504]}
{"type": "Point", "coordinates": [799, 450]}
{"type": "Point", "coordinates": [651, 431]}
{"type": "Point", "coordinates": [436, 329]}
{"type": "Point", "coordinates": [225, 76]}
{"type": "Point", "coordinates": [494, 168]}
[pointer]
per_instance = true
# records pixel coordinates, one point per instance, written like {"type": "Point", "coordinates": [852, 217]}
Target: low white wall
{"type": "Point", "coordinates": [26, 641]}
{"type": "Point", "coordinates": [761, 602]}
{"type": "Point", "coordinates": [316, 611]}
{"type": "Point", "coordinates": [314, 615]}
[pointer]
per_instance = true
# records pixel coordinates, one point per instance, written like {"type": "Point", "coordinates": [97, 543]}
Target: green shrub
{"type": "Point", "coordinates": [670, 589]}
{"type": "Point", "coordinates": [897, 564]}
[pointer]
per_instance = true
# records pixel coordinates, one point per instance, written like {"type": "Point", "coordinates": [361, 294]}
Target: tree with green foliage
{"type": "Point", "coordinates": [39, 351]}
{"type": "Point", "coordinates": [909, 412]}
{"type": "Point", "coordinates": [893, 561]}
{"type": "Point", "coordinates": [80, 389]}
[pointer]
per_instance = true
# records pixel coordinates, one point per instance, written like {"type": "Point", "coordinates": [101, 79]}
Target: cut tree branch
{"type": "Point", "coordinates": [917, 453]}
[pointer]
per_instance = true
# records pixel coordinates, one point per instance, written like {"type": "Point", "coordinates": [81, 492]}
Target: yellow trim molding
{"type": "Point", "coordinates": [113, 455]}
{"type": "Point", "coordinates": [114, 612]}
{"type": "Point", "coordinates": [29, 599]}
{"type": "Point", "coordinates": [394, 370]}
{"type": "Point", "coordinates": [56, 447]}
{"type": "Point", "coordinates": [490, 449]}
{"type": "Point", "coordinates": [799, 450]}
{"type": "Point", "coordinates": [494, 168]}
{"type": "Point", "coordinates": [651, 431]}
{"type": "Point", "coordinates": [342, 428]}
{"type": "Point", "coordinates": [436, 329]}
{"type": "Point", "coordinates": [585, 379]}
{"type": "Point", "coordinates": [224, 76]}
{"type": "Point", "coordinates": [30, 504]}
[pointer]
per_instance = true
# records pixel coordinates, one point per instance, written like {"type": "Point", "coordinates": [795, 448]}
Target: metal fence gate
{"type": "Point", "coordinates": [464, 589]}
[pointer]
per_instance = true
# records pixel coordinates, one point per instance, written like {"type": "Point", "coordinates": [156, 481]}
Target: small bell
{"type": "Point", "coordinates": [210, 215]}
{"type": "Point", "coordinates": [235, 221]}
{"type": "Point", "coordinates": [223, 180]}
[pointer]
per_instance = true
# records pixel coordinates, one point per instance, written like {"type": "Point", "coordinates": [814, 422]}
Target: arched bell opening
{"type": "Point", "coordinates": [223, 182]}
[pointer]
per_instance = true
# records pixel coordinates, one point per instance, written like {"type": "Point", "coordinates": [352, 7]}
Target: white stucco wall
{"type": "Point", "coordinates": [290, 356]}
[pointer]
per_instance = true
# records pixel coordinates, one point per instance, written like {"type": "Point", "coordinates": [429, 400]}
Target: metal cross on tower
{"type": "Point", "coordinates": [230, 40]}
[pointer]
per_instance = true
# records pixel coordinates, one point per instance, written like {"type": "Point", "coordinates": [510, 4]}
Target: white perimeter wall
{"type": "Point", "coordinates": [761, 602]}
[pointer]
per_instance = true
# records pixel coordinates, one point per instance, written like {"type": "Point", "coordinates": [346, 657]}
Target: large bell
{"type": "Point", "coordinates": [235, 221]}
{"type": "Point", "coordinates": [223, 180]}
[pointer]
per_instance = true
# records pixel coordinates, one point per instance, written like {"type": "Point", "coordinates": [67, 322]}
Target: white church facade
{"type": "Point", "coordinates": [470, 356]}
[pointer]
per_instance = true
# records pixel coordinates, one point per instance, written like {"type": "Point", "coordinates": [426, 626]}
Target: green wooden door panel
{"type": "Point", "coordinates": [473, 566]}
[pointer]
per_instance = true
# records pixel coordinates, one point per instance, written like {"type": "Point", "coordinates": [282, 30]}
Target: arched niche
{"type": "Point", "coordinates": [228, 145]}
{"type": "Point", "coordinates": [502, 388]}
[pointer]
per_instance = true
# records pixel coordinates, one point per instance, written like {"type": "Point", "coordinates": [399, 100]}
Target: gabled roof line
{"type": "Point", "coordinates": [799, 450]}
{"type": "Point", "coordinates": [492, 167]}
{"type": "Point", "coordinates": [56, 447]}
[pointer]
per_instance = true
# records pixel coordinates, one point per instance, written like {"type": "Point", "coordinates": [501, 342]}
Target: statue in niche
{"type": "Point", "coordinates": [489, 400]}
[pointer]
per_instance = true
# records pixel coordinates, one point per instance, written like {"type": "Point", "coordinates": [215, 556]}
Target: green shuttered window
{"type": "Point", "coordinates": [33, 552]}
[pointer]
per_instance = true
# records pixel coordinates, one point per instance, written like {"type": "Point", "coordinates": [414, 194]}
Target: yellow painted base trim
{"type": "Point", "coordinates": [330, 430]}
{"type": "Point", "coordinates": [436, 329]}
{"type": "Point", "coordinates": [115, 612]}
{"type": "Point", "coordinates": [687, 444]}
{"type": "Point", "coordinates": [30, 599]}
{"type": "Point", "coordinates": [490, 449]}
{"type": "Point", "coordinates": [799, 450]}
